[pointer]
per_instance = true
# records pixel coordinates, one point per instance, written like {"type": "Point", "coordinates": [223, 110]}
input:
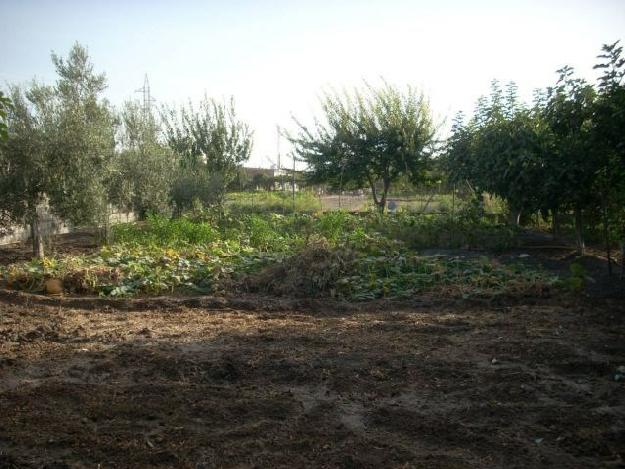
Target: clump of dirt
{"type": "Point", "coordinates": [311, 272]}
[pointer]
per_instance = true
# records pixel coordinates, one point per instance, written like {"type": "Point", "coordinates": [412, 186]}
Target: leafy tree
{"type": "Point", "coordinates": [500, 150]}
{"type": "Point", "coordinates": [609, 142]}
{"type": "Point", "coordinates": [369, 137]}
{"type": "Point", "coordinates": [263, 181]}
{"type": "Point", "coordinates": [85, 142]}
{"type": "Point", "coordinates": [5, 106]}
{"type": "Point", "coordinates": [61, 140]}
{"type": "Point", "coordinates": [24, 176]}
{"type": "Point", "coordinates": [142, 181]}
{"type": "Point", "coordinates": [211, 143]}
{"type": "Point", "coordinates": [569, 113]}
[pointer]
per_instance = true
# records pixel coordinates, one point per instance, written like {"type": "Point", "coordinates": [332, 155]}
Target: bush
{"type": "Point", "coordinates": [162, 231]}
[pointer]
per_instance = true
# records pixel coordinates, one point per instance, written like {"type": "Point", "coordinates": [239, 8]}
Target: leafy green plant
{"type": "Point", "coordinates": [577, 280]}
{"type": "Point", "coordinates": [336, 254]}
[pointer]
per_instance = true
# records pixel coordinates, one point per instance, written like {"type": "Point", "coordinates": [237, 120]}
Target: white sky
{"type": "Point", "coordinates": [275, 57]}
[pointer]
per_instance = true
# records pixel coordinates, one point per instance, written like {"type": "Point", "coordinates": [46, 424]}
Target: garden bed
{"type": "Point", "coordinates": [336, 255]}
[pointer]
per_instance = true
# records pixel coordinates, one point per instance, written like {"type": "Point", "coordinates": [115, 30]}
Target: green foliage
{"type": "Point", "coordinates": [501, 150]}
{"type": "Point", "coordinates": [609, 139]}
{"type": "Point", "coordinates": [577, 280]}
{"type": "Point", "coordinates": [572, 166]}
{"type": "Point", "coordinates": [211, 143]}
{"type": "Point", "coordinates": [191, 187]}
{"type": "Point", "coordinates": [60, 147]}
{"type": "Point", "coordinates": [565, 153]}
{"type": "Point", "coordinates": [80, 160]}
{"type": "Point", "coordinates": [5, 107]}
{"type": "Point", "coordinates": [335, 253]}
{"type": "Point", "coordinates": [368, 138]}
{"type": "Point", "coordinates": [277, 202]}
{"type": "Point", "coordinates": [165, 232]}
{"type": "Point", "coordinates": [142, 179]}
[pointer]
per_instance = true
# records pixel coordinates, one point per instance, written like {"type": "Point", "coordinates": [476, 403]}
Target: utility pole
{"type": "Point", "coordinates": [278, 144]}
{"type": "Point", "coordinates": [147, 97]}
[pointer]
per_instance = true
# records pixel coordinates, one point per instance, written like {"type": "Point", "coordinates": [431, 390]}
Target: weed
{"type": "Point", "coordinates": [358, 257]}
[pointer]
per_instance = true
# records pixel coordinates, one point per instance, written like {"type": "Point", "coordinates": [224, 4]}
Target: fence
{"type": "Point", "coordinates": [431, 200]}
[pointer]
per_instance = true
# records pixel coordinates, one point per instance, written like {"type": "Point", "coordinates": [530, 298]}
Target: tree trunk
{"type": "Point", "coordinates": [555, 224]}
{"type": "Point", "coordinates": [105, 228]}
{"type": "Point", "coordinates": [374, 193]}
{"type": "Point", "coordinates": [606, 237]}
{"type": "Point", "coordinates": [515, 216]}
{"type": "Point", "coordinates": [622, 259]}
{"type": "Point", "coordinates": [453, 201]}
{"type": "Point", "coordinates": [382, 204]}
{"type": "Point", "coordinates": [579, 232]}
{"type": "Point", "coordinates": [36, 238]}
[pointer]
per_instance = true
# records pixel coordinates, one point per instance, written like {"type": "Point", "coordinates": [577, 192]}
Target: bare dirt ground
{"type": "Point", "coordinates": [252, 382]}
{"type": "Point", "coordinates": [382, 385]}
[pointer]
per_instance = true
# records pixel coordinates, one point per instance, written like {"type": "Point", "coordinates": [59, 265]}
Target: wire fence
{"type": "Point", "coordinates": [437, 200]}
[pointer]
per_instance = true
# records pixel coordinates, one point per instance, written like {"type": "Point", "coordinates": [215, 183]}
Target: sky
{"type": "Point", "coordinates": [277, 57]}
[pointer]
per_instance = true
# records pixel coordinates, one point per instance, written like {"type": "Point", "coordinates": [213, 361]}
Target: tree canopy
{"type": "Point", "coordinates": [565, 152]}
{"type": "Point", "coordinates": [211, 142]}
{"type": "Point", "coordinates": [60, 144]}
{"type": "Point", "coordinates": [368, 137]}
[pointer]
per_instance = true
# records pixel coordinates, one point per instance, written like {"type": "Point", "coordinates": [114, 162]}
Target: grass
{"type": "Point", "coordinates": [336, 254]}
{"type": "Point", "coordinates": [278, 202]}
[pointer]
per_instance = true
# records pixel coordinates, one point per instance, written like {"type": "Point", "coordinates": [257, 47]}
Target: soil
{"type": "Point", "coordinates": [253, 382]}
{"type": "Point", "coordinates": [381, 385]}
{"type": "Point", "coordinates": [75, 243]}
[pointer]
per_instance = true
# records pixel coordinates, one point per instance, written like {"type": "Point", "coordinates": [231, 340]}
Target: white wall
{"type": "Point", "coordinates": [52, 225]}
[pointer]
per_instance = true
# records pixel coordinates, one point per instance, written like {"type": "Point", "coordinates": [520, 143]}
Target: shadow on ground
{"type": "Point", "coordinates": [438, 386]}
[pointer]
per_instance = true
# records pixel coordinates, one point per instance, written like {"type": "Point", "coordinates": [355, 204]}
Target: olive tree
{"type": "Point", "coordinates": [142, 178]}
{"type": "Point", "coordinates": [369, 137]}
{"type": "Point", "coordinates": [24, 176]}
{"type": "Point", "coordinates": [59, 149]}
{"type": "Point", "coordinates": [5, 106]}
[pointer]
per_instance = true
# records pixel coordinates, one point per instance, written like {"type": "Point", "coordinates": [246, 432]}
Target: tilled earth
{"type": "Point", "coordinates": [381, 385]}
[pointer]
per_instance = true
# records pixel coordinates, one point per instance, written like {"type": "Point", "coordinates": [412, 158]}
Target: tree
{"type": "Point", "coordinates": [262, 181]}
{"type": "Point", "coordinates": [211, 143]}
{"type": "Point", "coordinates": [369, 137]}
{"type": "Point", "coordinates": [573, 167]}
{"type": "Point", "coordinates": [609, 143]}
{"type": "Point", "coordinates": [23, 169]}
{"type": "Point", "coordinates": [142, 181]}
{"type": "Point", "coordinates": [500, 151]}
{"type": "Point", "coordinates": [5, 106]}
{"type": "Point", "coordinates": [85, 142]}
{"type": "Point", "coordinates": [59, 150]}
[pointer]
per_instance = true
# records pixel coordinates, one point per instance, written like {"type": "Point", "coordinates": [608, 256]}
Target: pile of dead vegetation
{"type": "Point", "coordinates": [313, 271]}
